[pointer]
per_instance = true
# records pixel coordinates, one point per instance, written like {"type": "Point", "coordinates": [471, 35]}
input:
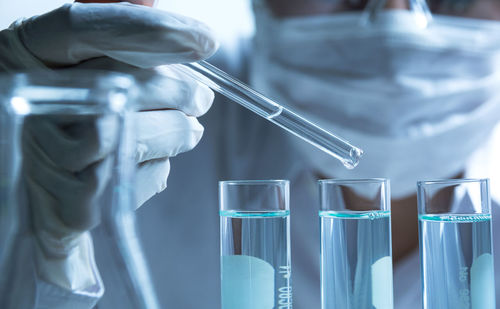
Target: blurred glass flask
{"type": "Point", "coordinates": [67, 215]}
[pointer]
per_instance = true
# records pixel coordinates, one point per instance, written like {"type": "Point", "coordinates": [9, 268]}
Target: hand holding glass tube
{"type": "Point", "coordinates": [238, 92]}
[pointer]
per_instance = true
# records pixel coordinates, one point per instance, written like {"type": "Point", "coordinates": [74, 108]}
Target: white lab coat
{"type": "Point", "coordinates": [181, 225]}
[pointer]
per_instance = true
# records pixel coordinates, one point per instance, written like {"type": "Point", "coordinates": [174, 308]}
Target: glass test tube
{"type": "Point", "coordinates": [255, 244]}
{"type": "Point", "coordinates": [455, 244]}
{"type": "Point", "coordinates": [356, 254]}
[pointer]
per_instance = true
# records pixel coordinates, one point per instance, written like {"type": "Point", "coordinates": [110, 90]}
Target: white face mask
{"type": "Point", "coordinates": [417, 101]}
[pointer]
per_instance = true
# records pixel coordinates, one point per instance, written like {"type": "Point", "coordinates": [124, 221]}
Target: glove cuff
{"type": "Point", "coordinates": [77, 272]}
{"type": "Point", "coordinates": [14, 56]}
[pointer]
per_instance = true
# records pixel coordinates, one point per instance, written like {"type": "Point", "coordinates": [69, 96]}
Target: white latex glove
{"type": "Point", "coordinates": [122, 36]}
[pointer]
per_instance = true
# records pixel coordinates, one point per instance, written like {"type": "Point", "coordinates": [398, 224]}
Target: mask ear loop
{"type": "Point", "coordinates": [419, 9]}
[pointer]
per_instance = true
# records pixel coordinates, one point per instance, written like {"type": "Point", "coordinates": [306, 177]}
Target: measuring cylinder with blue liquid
{"type": "Point", "coordinates": [356, 254]}
{"type": "Point", "coordinates": [255, 244]}
{"type": "Point", "coordinates": [455, 244]}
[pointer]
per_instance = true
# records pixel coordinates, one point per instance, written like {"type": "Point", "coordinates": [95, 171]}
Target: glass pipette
{"type": "Point", "coordinates": [281, 116]}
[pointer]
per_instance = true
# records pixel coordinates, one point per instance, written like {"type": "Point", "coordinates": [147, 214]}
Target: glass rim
{"type": "Point", "coordinates": [254, 182]}
{"type": "Point", "coordinates": [422, 183]}
{"type": "Point", "coordinates": [79, 92]}
{"type": "Point", "coordinates": [65, 80]}
{"type": "Point", "coordinates": [352, 181]}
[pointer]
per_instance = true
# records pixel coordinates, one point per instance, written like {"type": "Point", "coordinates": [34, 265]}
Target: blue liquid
{"type": "Point", "coordinates": [356, 260]}
{"type": "Point", "coordinates": [456, 261]}
{"type": "Point", "coordinates": [255, 260]}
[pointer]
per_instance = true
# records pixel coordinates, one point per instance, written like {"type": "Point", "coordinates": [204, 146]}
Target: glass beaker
{"type": "Point", "coordinates": [67, 222]}
{"type": "Point", "coordinates": [356, 254]}
{"type": "Point", "coordinates": [456, 257]}
{"type": "Point", "coordinates": [255, 244]}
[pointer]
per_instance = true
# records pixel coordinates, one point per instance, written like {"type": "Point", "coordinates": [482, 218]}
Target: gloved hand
{"type": "Point", "coordinates": [119, 36]}
{"type": "Point", "coordinates": [67, 162]}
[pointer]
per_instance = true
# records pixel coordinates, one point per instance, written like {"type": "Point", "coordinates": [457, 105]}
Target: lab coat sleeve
{"type": "Point", "coordinates": [35, 282]}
